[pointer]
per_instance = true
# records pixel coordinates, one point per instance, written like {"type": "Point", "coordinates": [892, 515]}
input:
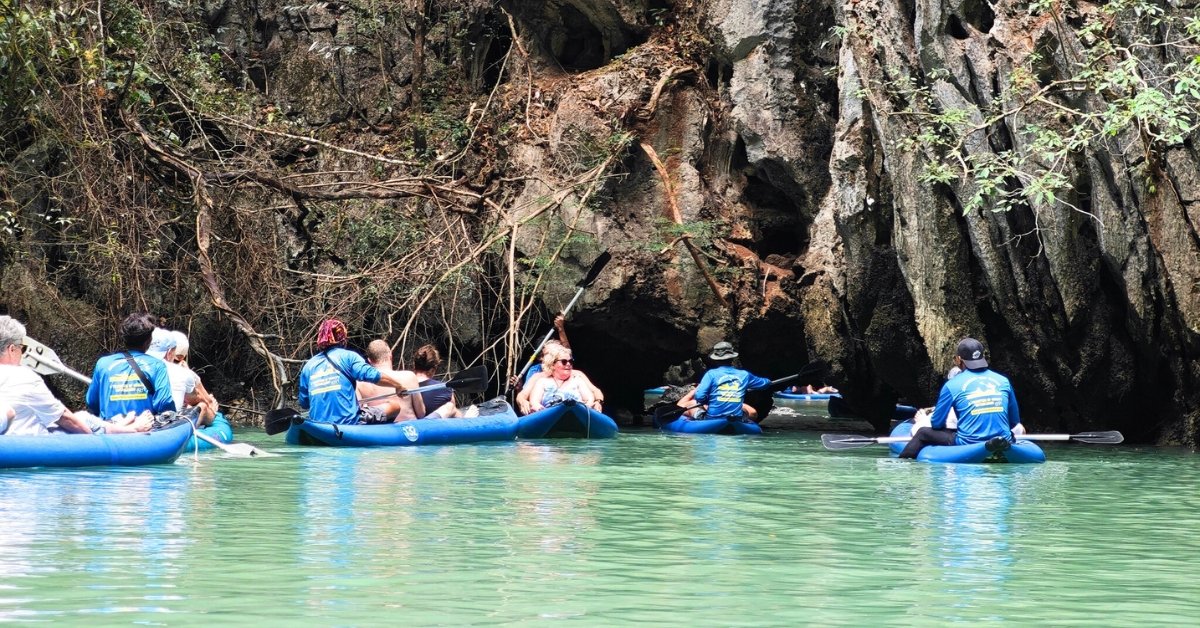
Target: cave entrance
{"type": "Point", "coordinates": [578, 45]}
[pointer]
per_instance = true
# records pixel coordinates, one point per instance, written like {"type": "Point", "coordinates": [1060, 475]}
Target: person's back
{"type": "Point", "coordinates": [723, 388]}
{"type": "Point", "coordinates": [327, 384]}
{"type": "Point", "coordinates": [117, 388]}
{"type": "Point", "coordinates": [984, 402]}
{"type": "Point", "coordinates": [393, 406]}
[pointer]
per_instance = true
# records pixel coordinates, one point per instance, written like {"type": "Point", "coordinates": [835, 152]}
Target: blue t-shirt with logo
{"type": "Point", "coordinates": [984, 402]}
{"type": "Point", "coordinates": [324, 390]}
{"type": "Point", "coordinates": [724, 388]}
{"type": "Point", "coordinates": [117, 389]}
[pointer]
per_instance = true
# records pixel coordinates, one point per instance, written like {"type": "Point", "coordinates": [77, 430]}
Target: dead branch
{"type": "Point", "coordinates": [677, 217]}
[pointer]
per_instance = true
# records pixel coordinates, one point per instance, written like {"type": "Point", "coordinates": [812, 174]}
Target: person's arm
{"type": "Point", "coordinates": [1014, 413]}
{"type": "Point", "coordinates": [92, 399]}
{"type": "Point", "coordinates": [536, 392]}
{"type": "Point", "coordinates": [68, 423]}
{"type": "Point", "coordinates": [754, 382]}
{"type": "Point", "coordinates": [523, 396]}
{"type": "Point", "coordinates": [597, 395]}
{"type": "Point", "coordinates": [163, 401]}
{"type": "Point", "coordinates": [302, 388]}
{"type": "Point", "coordinates": [560, 324]}
{"type": "Point", "coordinates": [7, 412]}
{"type": "Point", "coordinates": [585, 391]}
{"type": "Point", "coordinates": [940, 411]}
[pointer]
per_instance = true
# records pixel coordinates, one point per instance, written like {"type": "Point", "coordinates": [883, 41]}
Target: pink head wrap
{"type": "Point", "coordinates": [332, 332]}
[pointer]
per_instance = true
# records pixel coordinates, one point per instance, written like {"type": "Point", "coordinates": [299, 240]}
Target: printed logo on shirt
{"type": "Point", "coordinates": [324, 379]}
{"type": "Point", "coordinates": [729, 389]}
{"type": "Point", "coordinates": [127, 387]}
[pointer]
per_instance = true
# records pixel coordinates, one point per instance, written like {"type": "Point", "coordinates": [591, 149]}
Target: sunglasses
{"type": "Point", "coordinates": [565, 362]}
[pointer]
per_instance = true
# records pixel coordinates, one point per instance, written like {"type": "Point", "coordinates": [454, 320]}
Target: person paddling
{"type": "Point", "coordinates": [722, 389]}
{"type": "Point", "coordinates": [327, 380]}
{"type": "Point", "coordinates": [982, 399]}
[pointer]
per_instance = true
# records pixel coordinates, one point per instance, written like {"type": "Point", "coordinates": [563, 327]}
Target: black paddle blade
{"type": "Point", "coordinates": [1099, 438]}
{"type": "Point", "coordinates": [838, 442]}
{"type": "Point", "coordinates": [280, 419]}
{"type": "Point", "coordinates": [594, 272]}
{"type": "Point", "coordinates": [666, 414]}
{"type": "Point", "coordinates": [472, 380]}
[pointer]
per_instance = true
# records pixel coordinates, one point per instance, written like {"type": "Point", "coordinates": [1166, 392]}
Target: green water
{"type": "Point", "coordinates": [663, 530]}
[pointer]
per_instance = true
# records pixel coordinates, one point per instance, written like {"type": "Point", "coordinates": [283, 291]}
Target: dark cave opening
{"type": "Point", "coordinates": [979, 14]}
{"type": "Point", "coordinates": [578, 45]}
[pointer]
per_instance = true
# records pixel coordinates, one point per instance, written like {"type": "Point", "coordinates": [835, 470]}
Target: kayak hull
{"type": "Point", "coordinates": [501, 426]}
{"type": "Point", "coordinates": [731, 427]}
{"type": "Point", "coordinates": [1022, 451]}
{"type": "Point", "coordinates": [159, 446]}
{"type": "Point", "coordinates": [568, 419]}
{"type": "Point", "coordinates": [220, 430]}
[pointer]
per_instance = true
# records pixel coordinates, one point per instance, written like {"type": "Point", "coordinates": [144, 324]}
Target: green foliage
{"type": "Point", "coordinates": [1138, 77]}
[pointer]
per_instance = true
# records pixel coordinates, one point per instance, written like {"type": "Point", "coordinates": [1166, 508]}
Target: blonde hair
{"type": "Point", "coordinates": [551, 353]}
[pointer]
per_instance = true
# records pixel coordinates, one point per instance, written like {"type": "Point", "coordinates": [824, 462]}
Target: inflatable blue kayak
{"type": "Point", "coordinates": [1022, 451]}
{"type": "Point", "coordinates": [220, 430]}
{"type": "Point", "coordinates": [500, 425]}
{"type": "Point", "coordinates": [568, 419]}
{"type": "Point", "coordinates": [684, 425]}
{"type": "Point", "coordinates": [786, 396]}
{"type": "Point", "coordinates": [158, 446]}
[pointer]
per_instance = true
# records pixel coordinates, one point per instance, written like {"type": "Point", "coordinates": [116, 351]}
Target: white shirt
{"type": "Point", "coordinates": [183, 381]}
{"type": "Point", "coordinates": [24, 391]}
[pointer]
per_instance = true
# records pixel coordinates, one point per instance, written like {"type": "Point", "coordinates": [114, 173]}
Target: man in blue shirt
{"type": "Point", "coordinates": [327, 381]}
{"type": "Point", "coordinates": [119, 387]}
{"type": "Point", "coordinates": [983, 401]}
{"type": "Point", "coordinates": [723, 387]}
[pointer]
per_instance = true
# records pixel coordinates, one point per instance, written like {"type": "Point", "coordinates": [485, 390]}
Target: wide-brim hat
{"type": "Point", "coordinates": [723, 351]}
{"type": "Point", "coordinates": [971, 352]}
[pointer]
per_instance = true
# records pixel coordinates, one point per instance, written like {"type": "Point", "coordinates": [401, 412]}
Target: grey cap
{"type": "Point", "coordinates": [971, 352]}
{"type": "Point", "coordinates": [723, 351]}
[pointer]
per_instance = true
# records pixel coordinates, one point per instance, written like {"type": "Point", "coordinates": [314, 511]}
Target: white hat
{"type": "Point", "coordinates": [161, 341]}
{"type": "Point", "coordinates": [181, 342]}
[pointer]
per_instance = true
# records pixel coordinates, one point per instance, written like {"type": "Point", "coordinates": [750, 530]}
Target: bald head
{"type": "Point", "coordinates": [379, 353]}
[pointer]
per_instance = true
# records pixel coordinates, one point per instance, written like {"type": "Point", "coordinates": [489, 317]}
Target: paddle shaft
{"type": "Point", "coordinates": [409, 391]}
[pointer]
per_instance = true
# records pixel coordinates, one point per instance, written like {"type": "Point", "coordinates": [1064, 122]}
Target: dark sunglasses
{"type": "Point", "coordinates": [565, 361]}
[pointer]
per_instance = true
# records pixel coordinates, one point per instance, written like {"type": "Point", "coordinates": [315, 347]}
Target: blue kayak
{"type": "Point", "coordinates": [1022, 451]}
{"type": "Point", "coordinates": [787, 396]}
{"type": "Point", "coordinates": [684, 425]}
{"type": "Point", "coordinates": [500, 425]}
{"type": "Point", "coordinates": [568, 419]}
{"type": "Point", "coordinates": [220, 430]}
{"type": "Point", "coordinates": [158, 446]}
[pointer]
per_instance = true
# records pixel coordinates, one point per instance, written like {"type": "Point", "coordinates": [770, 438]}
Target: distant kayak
{"type": "Point", "coordinates": [787, 396]}
{"type": "Point", "coordinates": [158, 446]}
{"type": "Point", "coordinates": [568, 419]}
{"type": "Point", "coordinates": [1022, 451]}
{"type": "Point", "coordinates": [836, 407]}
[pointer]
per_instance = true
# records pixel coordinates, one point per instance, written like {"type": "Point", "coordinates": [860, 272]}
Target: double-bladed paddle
{"type": "Point", "coordinates": [838, 442]}
{"type": "Point", "coordinates": [44, 360]}
{"type": "Point", "coordinates": [588, 279]}
{"type": "Point", "coordinates": [666, 414]}
{"type": "Point", "coordinates": [472, 380]}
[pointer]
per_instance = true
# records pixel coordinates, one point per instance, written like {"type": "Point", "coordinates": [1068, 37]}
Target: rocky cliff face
{"type": "Point", "coordinates": [751, 165]}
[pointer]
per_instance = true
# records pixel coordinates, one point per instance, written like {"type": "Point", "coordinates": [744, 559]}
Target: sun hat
{"type": "Point", "coordinates": [723, 351]}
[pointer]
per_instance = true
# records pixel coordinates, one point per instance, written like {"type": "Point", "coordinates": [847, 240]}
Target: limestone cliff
{"type": "Point", "coordinates": [445, 171]}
